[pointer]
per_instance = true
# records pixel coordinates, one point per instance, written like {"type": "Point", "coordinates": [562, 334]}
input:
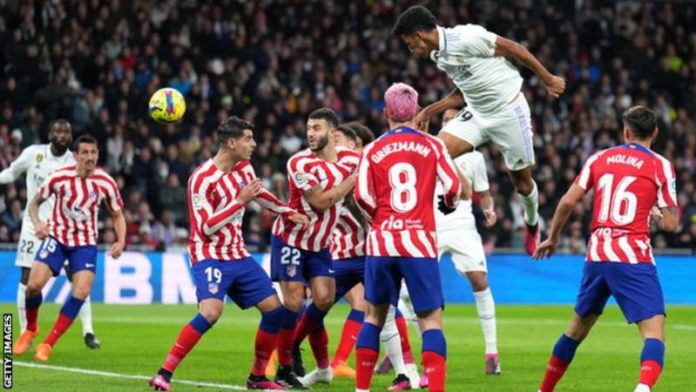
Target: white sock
{"type": "Point", "coordinates": [531, 206]}
{"type": "Point", "coordinates": [486, 312]}
{"type": "Point", "coordinates": [21, 306]}
{"type": "Point", "coordinates": [642, 388]}
{"type": "Point", "coordinates": [406, 309]}
{"type": "Point", "coordinates": [86, 316]}
{"type": "Point", "coordinates": [392, 342]}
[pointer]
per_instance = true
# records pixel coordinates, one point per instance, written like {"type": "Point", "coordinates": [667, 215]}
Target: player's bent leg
{"type": "Point", "coordinates": [85, 316]}
{"type": "Point", "coordinates": [266, 342]}
{"type": "Point", "coordinates": [485, 307]}
{"type": "Point", "coordinates": [434, 350]}
{"type": "Point", "coordinates": [653, 355]}
{"type": "Point", "coordinates": [455, 146]}
{"type": "Point", "coordinates": [312, 321]}
{"type": "Point", "coordinates": [564, 350]}
{"type": "Point", "coordinates": [38, 277]}
{"type": "Point", "coordinates": [529, 195]}
{"type": "Point", "coordinates": [293, 298]}
{"type": "Point", "coordinates": [367, 346]}
{"type": "Point", "coordinates": [350, 331]}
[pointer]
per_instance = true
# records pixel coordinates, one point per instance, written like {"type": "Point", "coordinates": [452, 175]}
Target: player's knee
{"type": "Point", "coordinates": [33, 289]}
{"type": "Point", "coordinates": [211, 314]}
{"type": "Point", "coordinates": [24, 278]}
{"type": "Point", "coordinates": [81, 292]}
{"type": "Point", "coordinates": [523, 183]}
{"type": "Point", "coordinates": [324, 302]}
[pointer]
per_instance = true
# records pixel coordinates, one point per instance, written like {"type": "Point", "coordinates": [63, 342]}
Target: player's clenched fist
{"type": "Point", "coordinates": [41, 230]}
{"type": "Point", "coordinates": [117, 250]}
{"type": "Point", "coordinates": [555, 85]}
{"type": "Point", "coordinates": [250, 191]}
{"type": "Point", "coordinates": [298, 218]}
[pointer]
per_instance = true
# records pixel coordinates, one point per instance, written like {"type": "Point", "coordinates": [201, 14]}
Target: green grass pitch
{"type": "Point", "coordinates": [137, 338]}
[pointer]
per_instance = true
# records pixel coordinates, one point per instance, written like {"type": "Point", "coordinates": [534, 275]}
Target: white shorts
{"type": "Point", "coordinates": [27, 247]}
{"type": "Point", "coordinates": [510, 129]}
{"type": "Point", "coordinates": [465, 247]}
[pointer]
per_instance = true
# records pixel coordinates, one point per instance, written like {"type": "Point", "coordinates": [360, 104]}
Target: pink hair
{"type": "Point", "coordinates": [401, 102]}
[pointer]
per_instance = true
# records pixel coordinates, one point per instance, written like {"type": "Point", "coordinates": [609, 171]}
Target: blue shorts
{"type": "Point", "coordinates": [244, 281]}
{"type": "Point", "coordinates": [348, 273]}
{"type": "Point", "coordinates": [290, 264]}
{"type": "Point", "coordinates": [422, 275]}
{"type": "Point", "coordinates": [80, 258]}
{"type": "Point", "coordinates": [634, 286]}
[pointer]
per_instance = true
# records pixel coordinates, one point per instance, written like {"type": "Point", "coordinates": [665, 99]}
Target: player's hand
{"type": "Point", "coordinates": [443, 207]}
{"type": "Point", "coordinates": [490, 217]}
{"type": "Point", "coordinates": [545, 250]}
{"type": "Point", "coordinates": [296, 217]}
{"type": "Point", "coordinates": [117, 250]}
{"type": "Point", "coordinates": [249, 192]}
{"type": "Point", "coordinates": [41, 230]}
{"type": "Point", "coordinates": [656, 215]}
{"type": "Point", "coordinates": [422, 120]}
{"type": "Point", "coordinates": [555, 86]}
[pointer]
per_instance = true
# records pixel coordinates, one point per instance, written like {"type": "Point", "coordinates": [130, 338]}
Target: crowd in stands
{"type": "Point", "coordinates": [97, 62]}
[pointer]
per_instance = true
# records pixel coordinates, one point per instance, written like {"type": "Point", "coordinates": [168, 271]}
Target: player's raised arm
{"type": "Point", "coordinates": [555, 85]}
{"type": "Point", "coordinates": [454, 99]}
{"type": "Point", "coordinates": [17, 167]}
{"type": "Point", "coordinates": [453, 182]}
{"type": "Point", "coordinates": [311, 189]}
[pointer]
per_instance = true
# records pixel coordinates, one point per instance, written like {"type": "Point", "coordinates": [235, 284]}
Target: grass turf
{"type": "Point", "coordinates": [137, 338]}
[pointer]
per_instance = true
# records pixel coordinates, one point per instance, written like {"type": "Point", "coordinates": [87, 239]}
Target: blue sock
{"type": "Point", "coordinates": [71, 307]}
{"type": "Point", "coordinates": [270, 321]}
{"type": "Point", "coordinates": [398, 314]}
{"type": "Point", "coordinates": [289, 319]}
{"type": "Point", "coordinates": [565, 348]}
{"type": "Point", "coordinates": [653, 350]}
{"type": "Point", "coordinates": [315, 314]}
{"type": "Point", "coordinates": [356, 315]}
{"type": "Point", "coordinates": [200, 324]}
{"type": "Point", "coordinates": [368, 337]}
{"type": "Point", "coordinates": [434, 340]}
{"type": "Point", "coordinates": [34, 302]}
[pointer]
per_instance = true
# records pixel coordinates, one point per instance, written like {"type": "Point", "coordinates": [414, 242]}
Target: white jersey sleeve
{"type": "Point", "coordinates": [470, 40]}
{"type": "Point", "coordinates": [18, 167]}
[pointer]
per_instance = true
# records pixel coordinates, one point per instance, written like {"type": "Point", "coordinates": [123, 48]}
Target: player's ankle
{"type": "Point", "coordinates": [166, 374]}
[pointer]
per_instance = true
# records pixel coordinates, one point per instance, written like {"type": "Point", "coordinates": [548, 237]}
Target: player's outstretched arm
{"type": "Point", "coordinates": [324, 199]}
{"type": "Point", "coordinates": [455, 100]}
{"type": "Point", "coordinates": [555, 85]}
{"type": "Point", "coordinates": [17, 167]}
{"type": "Point", "coordinates": [120, 228]}
{"type": "Point", "coordinates": [565, 207]}
{"type": "Point", "coordinates": [40, 226]}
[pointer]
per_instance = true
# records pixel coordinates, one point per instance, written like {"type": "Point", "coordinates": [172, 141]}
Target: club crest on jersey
{"type": "Point", "coordinates": [292, 271]}
{"type": "Point", "coordinates": [76, 213]}
{"type": "Point", "coordinates": [39, 158]}
{"type": "Point", "coordinates": [197, 202]}
{"type": "Point", "coordinates": [300, 178]}
{"type": "Point", "coordinates": [213, 288]}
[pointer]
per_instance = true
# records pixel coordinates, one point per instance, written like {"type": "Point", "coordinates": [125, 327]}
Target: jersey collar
{"type": "Point", "coordinates": [442, 45]}
{"type": "Point", "coordinates": [638, 147]}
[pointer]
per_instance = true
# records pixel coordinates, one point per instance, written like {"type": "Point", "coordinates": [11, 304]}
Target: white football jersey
{"type": "Point", "coordinates": [473, 167]}
{"type": "Point", "coordinates": [37, 162]}
{"type": "Point", "coordinates": [467, 55]}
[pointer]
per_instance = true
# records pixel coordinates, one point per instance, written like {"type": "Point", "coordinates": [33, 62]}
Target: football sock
{"type": "Point", "coordinates": [486, 312]}
{"type": "Point", "coordinates": [531, 205]}
{"type": "Point", "coordinates": [351, 329]}
{"type": "Point", "coordinates": [22, 305]}
{"type": "Point", "coordinates": [563, 353]}
{"type": "Point", "coordinates": [319, 341]}
{"type": "Point", "coordinates": [65, 318]}
{"type": "Point", "coordinates": [266, 340]}
{"type": "Point", "coordinates": [187, 339]}
{"type": "Point", "coordinates": [366, 355]}
{"type": "Point", "coordinates": [86, 316]}
{"type": "Point", "coordinates": [32, 311]}
{"type": "Point", "coordinates": [309, 320]}
{"type": "Point", "coordinates": [435, 359]}
{"type": "Point", "coordinates": [286, 337]}
{"type": "Point", "coordinates": [401, 325]}
{"type": "Point", "coordinates": [651, 361]}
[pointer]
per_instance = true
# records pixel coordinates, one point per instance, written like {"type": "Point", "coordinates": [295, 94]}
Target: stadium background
{"type": "Point", "coordinates": [97, 62]}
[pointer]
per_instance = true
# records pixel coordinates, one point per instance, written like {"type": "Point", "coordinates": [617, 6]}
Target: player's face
{"type": "Point", "coordinates": [318, 131]}
{"type": "Point", "coordinates": [340, 140]}
{"type": "Point", "coordinates": [87, 155]}
{"type": "Point", "coordinates": [448, 115]}
{"type": "Point", "coordinates": [416, 44]}
{"type": "Point", "coordinates": [245, 145]}
{"type": "Point", "coordinates": [61, 135]}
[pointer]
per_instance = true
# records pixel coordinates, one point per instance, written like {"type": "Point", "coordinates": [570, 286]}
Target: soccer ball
{"type": "Point", "coordinates": [167, 105]}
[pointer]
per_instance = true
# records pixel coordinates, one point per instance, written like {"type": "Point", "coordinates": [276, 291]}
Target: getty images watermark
{"type": "Point", "coordinates": [7, 350]}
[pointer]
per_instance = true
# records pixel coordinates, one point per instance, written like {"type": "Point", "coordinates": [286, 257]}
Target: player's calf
{"type": "Point", "coordinates": [563, 353]}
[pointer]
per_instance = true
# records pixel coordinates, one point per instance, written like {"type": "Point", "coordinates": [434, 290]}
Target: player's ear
{"type": "Point", "coordinates": [656, 131]}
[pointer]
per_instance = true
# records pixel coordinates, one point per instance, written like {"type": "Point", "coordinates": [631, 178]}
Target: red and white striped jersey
{"type": "Point", "coordinates": [73, 221]}
{"type": "Point", "coordinates": [348, 239]}
{"type": "Point", "coordinates": [628, 180]}
{"type": "Point", "coordinates": [396, 187]}
{"type": "Point", "coordinates": [305, 171]}
{"type": "Point", "coordinates": [215, 214]}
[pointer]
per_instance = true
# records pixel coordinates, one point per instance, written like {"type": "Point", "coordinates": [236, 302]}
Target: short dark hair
{"type": "Point", "coordinates": [415, 18]}
{"type": "Point", "coordinates": [60, 121]}
{"type": "Point", "coordinates": [349, 132]}
{"type": "Point", "coordinates": [364, 133]}
{"type": "Point", "coordinates": [325, 114]}
{"type": "Point", "coordinates": [641, 120]}
{"type": "Point", "coordinates": [84, 139]}
{"type": "Point", "coordinates": [232, 128]}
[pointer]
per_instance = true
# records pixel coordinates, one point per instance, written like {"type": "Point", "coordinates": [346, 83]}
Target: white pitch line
{"type": "Point", "coordinates": [128, 376]}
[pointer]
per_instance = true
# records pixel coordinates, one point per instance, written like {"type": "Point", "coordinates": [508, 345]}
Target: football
{"type": "Point", "coordinates": [167, 105]}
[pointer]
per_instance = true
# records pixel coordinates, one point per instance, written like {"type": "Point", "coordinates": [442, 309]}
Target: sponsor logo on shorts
{"type": "Point", "coordinates": [213, 288]}
{"type": "Point", "coordinates": [89, 265]}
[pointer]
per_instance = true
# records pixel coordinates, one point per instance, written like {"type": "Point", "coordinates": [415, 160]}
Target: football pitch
{"type": "Point", "coordinates": [136, 339]}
